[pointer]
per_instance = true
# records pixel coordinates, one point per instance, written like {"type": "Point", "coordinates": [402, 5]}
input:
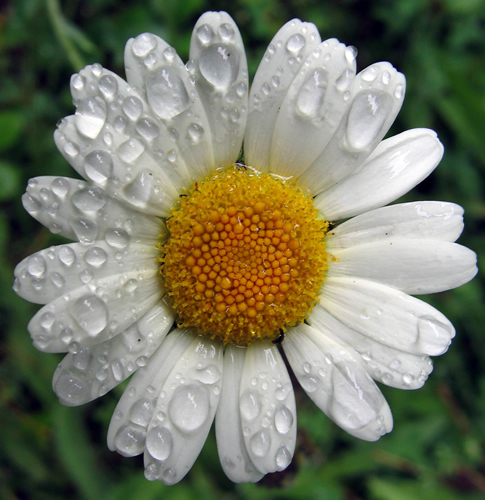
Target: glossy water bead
{"type": "Point", "coordinates": [245, 257]}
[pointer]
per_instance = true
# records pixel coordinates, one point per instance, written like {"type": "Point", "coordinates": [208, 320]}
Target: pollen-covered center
{"type": "Point", "coordinates": [245, 257]}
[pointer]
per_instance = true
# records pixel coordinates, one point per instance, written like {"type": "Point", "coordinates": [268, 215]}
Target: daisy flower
{"type": "Point", "coordinates": [196, 272]}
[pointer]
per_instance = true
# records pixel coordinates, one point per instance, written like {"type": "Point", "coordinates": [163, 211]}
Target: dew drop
{"type": "Point", "coordinates": [95, 257]}
{"type": "Point", "coordinates": [66, 256]}
{"type": "Point", "coordinates": [117, 238]}
{"type": "Point", "coordinates": [194, 133]}
{"type": "Point", "coordinates": [139, 191]}
{"type": "Point", "coordinates": [189, 407]}
{"type": "Point", "coordinates": [283, 458]}
{"type": "Point", "coordinates": [343, 81]}
{"type": "Point", "coordinates": [368, 113]}
{"type": "Point", "coordinates": [108, 86]}
{"type": "Point", "coordinates": [91, 313]}
{"type": "Point", "coordinates": [159, 443]}
{"type": "Point", "coordinates": [283, 419]}
{"type": "Point", "coordinates": [169, 53]}
{"type": "Point", "coordinates": [260, 443]}
{"type": "Point", "coordinates": [369, 74]}
{"type": "Point", "coordinates": [205, 33]}
{"type": "Point", "coordinates": [166, 93]}
{"type": "Point", "coordinates": [120, 124]}
{"type": "Point", "coordinates": [132, 107]}
{"type": "Point", "coordinates": [395, 364]}
{"type": "Point", "coordinates": [71, 149]}
{"type": "Point", "coordinates": [147, 128]}
{"type": "Point", "coordinates": [208, 375]}
{"type": "Point", "coordinates": [151, 472]}
{"type": "Point", "coordinates": [143, 44]}
{"type": "Point", "coordinates": [36, 266]}
{"type": "Point", "coordinates": [117, 369]}
{"type": "Point", "coordinates": [130, 150]}
{"type": "Point", "coordinates": [85, 230]}
{"type": "Point", "coordinates": [60, 187]}
{"type": "Point", "coordinates": [309, 383]}
{"type": "Point", "coordinates": [408, 379]}
{"type": "Point", "coordinates": [77, 81]}
{"type": "Point", "coordinates": [72, 390]}
{"type": "Point", "coordinates": [312, 92]}
{"type": "Point", "coordinates": [89, 199]}
{"type": "Point", "coordinates": [30, 203]}
{"type": "Point", "coordinates": [219, 65]}
{"type": "Point", "coordinates": [98, 166]}
{"type": "Point", "coordinates": [295, 43]}
{"type": "Point", "coordinates": [250, 405]}
{"type": "Point", "coordinates": [90, 117]}
{"type": "Point", "coordinates": [241, 89]}
{"type": "Point", "coordinates": [172, 156]}
{"type": "Point", "coordinates": [350, 53]}
{"type": "Point", "coordinates": [386, 78]}
{"type": "Point", "coordinates": [130, 441]}
{"type": "Point", "coordinates": [57, 280]}
{"type": "Point", "coordinates": [398, 93]}
{"type": "Point", "coordinates": [47, 320]}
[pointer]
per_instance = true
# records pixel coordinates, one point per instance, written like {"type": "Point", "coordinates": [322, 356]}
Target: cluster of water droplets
{"type": "Point", "coordinates": [90, 372]}
{"type": "Point", "coordinates": [168, 409]}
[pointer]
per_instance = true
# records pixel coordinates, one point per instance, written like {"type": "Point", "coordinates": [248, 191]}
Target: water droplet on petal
{"type": "Point", "coordinates": [159, 443]}
{"type": "Point", "coordinates": [117, 238]}
{"type": "Point", "coordinates": [189, 407]}
{"type": "Point", "coordinates": [57, 280]}
{"type": "Point", "coordinates": [95, 257]}
{"type": "Point", "coordinates": [219, 65]}
{"type": "Point", "coordinates": [205, 33]}
{"type": "Point", "coordinates": [141, 412]}
{"type": "Point", "coordinates": [108, 86]}
{"type": "Point", "coordinates": [151, 472]}
{"type": "Point", "coordinates": [194, 133]}
{"type": "Point", "coordinates": [98, 166]}
{"type": "Point", "coordinates": [66, 256]}
{"type": "Point", "coordinates": [90, 117]}
{"type": "Point", "coordinates": [47, 320]}
{"type": "Point", "coordinates": [312, 92]}
{"type": "Point", "coordinates": [369, 74]}
{"type": "Point", "coordinates": [343, 81]}
{"type": "Point", "coordinates": [283, 458]}
{"type": "Point", "coordinates": [91, 314]}
{"type": "Point", "coordinates": [172, 156]}
{"type": "Point", "coordinates": [132, 107]}
{"type": "Point", "coordinates": [143, 44]}
{"type": "Point", "coordinates": [36, 266]}
{"type": "Point", "coordinates": [71, 389]}
{"type": "Point", "coordinates": [140, 190]}
{"type": "Point", "coordinates": [310, 383]}
{"type": "Point", "coordinates": [130, 150]}
{"type": "Point", "coordinates": [60, 187]}
{"type": "Point", "coordinates": [395, 364]}
{"type": "Point", "coordinates": [283, 419]}
{"type": "Point", "coordinates": [398, 93]}
{"type": "Point", "coordinates": [295, 43]}
{"type": "Point", "coordinates": [30, 203]}
{"type": "Point", "coordinates": [208, 375]}
{"type": "Point", "coordinates": [117, 369]}
{"type": "Point", "coordinates": [85, 230]}
{"type": "Point", "coordinates": [408, 379]}
{"type": "Point", "coordinates": [260, 443]}
{"type": "Point", "coordinates": [350, 53]}
{"type": "Point", "coordinates": [368, 113]}
{"type": "Point", "coordinates": [130, 441]}
{"type": "Point", "coordinates": [166, 93]}
{"type": "Point", "coordinates": [250, 405]}
{"type": "Point", "coordinates": [71, 149]}
{"type": "Point", "coordinates": [147, 128]}
{"type": "Point", "coordinates": [226, 31]}
{"type": "Point", "coordinates": [77, 81]}
{"type": "Point", "coordinates": [89, 199]}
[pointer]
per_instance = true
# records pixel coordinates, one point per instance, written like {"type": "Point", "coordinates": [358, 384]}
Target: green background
{"type": "Point", "coordinates": [437, 447]}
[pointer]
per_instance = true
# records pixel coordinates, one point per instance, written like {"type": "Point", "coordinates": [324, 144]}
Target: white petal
{"type": "Point", "coordinates": [93, 371]}
{"type": "Point", "coordinates": [55, 271]}
{"type": "Point", "coordinates": [336, 381]}
{"type": "Point", "coordinates": [95, 312]}
{"type": "Point", "coordinates": [128, 427]}
{"type": "Point", "coordinates": [284, 57]}
{"type": "Point", "coordinates": [160, 76]}
{"type": "Point", "coordinates": [312, 109]}
{"type": "Point", "coordinates": [396, 166]}
{"type": "Point", "coordinates": [433, 220]}
{"type": "Point", "coordinates": [80, 211]}
{"type": "Point", "coordinates": [268, 410]}
{"type": "Point", "coordinates": [413, 266]}
{"type": "Point", "coordinates": [234, 458]}
{"type": "Point", "coordinates": [393, 367]}
{"type": "Point", "coordinates": [218, 62]}
{"type": "Point", "coordinates": [184, 412]}
{"type": "Point", "coordinates": [387, 315]}
{"type": "Point", "coordinates": [375, 96]}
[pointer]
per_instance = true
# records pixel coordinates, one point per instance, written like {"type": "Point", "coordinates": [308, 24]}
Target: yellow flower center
{"type": "Point", "coordinates": [245, 257]}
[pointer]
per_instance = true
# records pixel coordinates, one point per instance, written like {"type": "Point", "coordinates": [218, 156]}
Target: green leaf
{"type": "Point", "coordinates": [11, 125]}
{"type": "Point", "coordinates": [10, 185]}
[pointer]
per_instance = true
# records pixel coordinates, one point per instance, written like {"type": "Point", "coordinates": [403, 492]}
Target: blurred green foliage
{"type": "Point", "coordinates": [437, 447]}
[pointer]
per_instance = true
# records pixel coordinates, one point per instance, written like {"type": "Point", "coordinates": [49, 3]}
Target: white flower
{"type": "Point", "coordinates": [309, 120]}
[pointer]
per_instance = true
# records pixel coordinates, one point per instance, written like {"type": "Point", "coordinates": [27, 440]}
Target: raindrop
{"type": "Point", "coordinates": [241, 89]}
{"type": "Point", "coordinates": [260, 443]}
{"type": "Point", "coordinates": [398, 93]}
{"type": "Point", "coordinates": [189, 407]}
{"type": "Point", "coordinates": [85, 230]}
{"type": "Point", "coordinates": [209, 374]}
{"type": "Point", "coordinates": [91, 314]}
{"type": "Point", "coordinates": [96, 69]}
{"type": "Point", "coordinates": [350, 53]}
{"type": "Point", "coordinates": [130, 150]}
{"type": "Point", "coordinates": [90, 117]}
{"type": "Point", "coordinates": [95, 257]}
{"type": "Point", "coordinates": [60, 187]}
{"type": "Point", "coordinates": [117, 369]}
{"type": "Point", "coordinates": [250, 405]}
{"type": "Point", "coordinates": [132, 107]}
{"type": "Point", "coordinates": [71, 149]}
{"type": "Point", "coordinates": [36, 266]}
{"type": "Point", "coordinates": [147, 128]}
{"type": "Point", "coordinates": [159, 443]}
{"type": "Point", "coordinates": [386, 78]}
{"type": "Point", "coordinates": [108, 86]}
{"type": "Point", "coordinates": [57, 280]}
{"type": "Point", "coordinates": [172, 156]}
{"type": "Point", "coordinates": [226, 31]}
{"type": "Point", "coordinates": [343, 81]}
{"type": "Point", "coordinates": [219, 65]}
{"type": "Point", "coordinates": [169, 53]}
{"type": "Point", "coordinates": [140, 190]}
{"type": "Point", "coordinates": [195, 132]}
{"type": "Point", "coordinates": [310, 383]}
{"type": "Point", "coordinates": [295, 43]}
{"type": "Point", "coordinates": [369, 74]}
{"type": "Point", "coordinates": [141, 412]}
{"type": "Point", "coordinates": [117, 238]}
{"type": "Point", "coordinates": [283, 419]}
{"type": "Point", "coordinates": [30, 203]}
{"type": "Point", "coordinates": [130, 441]}
{"type": "Point", "coordinates": [98, 166]}
{"type": "Point", "coordinates": [275, 81]}
{"type": "Point", "coordinates": [166, 93]}
{"type": "Point", "coordinates": [266, 88]}
{"type": "Point", "coordinates": [72, 390]}
{"type": "Point", "coordinates": [47, 320]}
{"type": "Point", "coordinates": [120, 124]}
{"type": "Point", "coordinates": [151, 472]}
{"type": "Point", "coordinates": [311, 94]}
{"type": "Point", "coordinates": [131, 285]}
{"type": "Point", "coordinates": [205, 33]}
{"type": "Point", "coordinates": [283, 458]}
{"type": "Point", "coordinates": [367, 115]}
{"type": "Point", "coordinates": [77, 81]}
{"type": "Point", "coordinates": [66, 256]}
{"type": "Point", "coordinates": [89, 199]}
{"type": "Point", "coordinates": [143, 44]}
{"type": "Point", "coordinates": [395, 364]}
{"type": "Point", "coordinates": [408, 379]}
{"type": "Point", "coordinates": [81, 359]}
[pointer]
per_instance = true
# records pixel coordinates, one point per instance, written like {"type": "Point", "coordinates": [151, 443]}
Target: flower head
{"type": "Point", "coordinates": [246, 259]}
